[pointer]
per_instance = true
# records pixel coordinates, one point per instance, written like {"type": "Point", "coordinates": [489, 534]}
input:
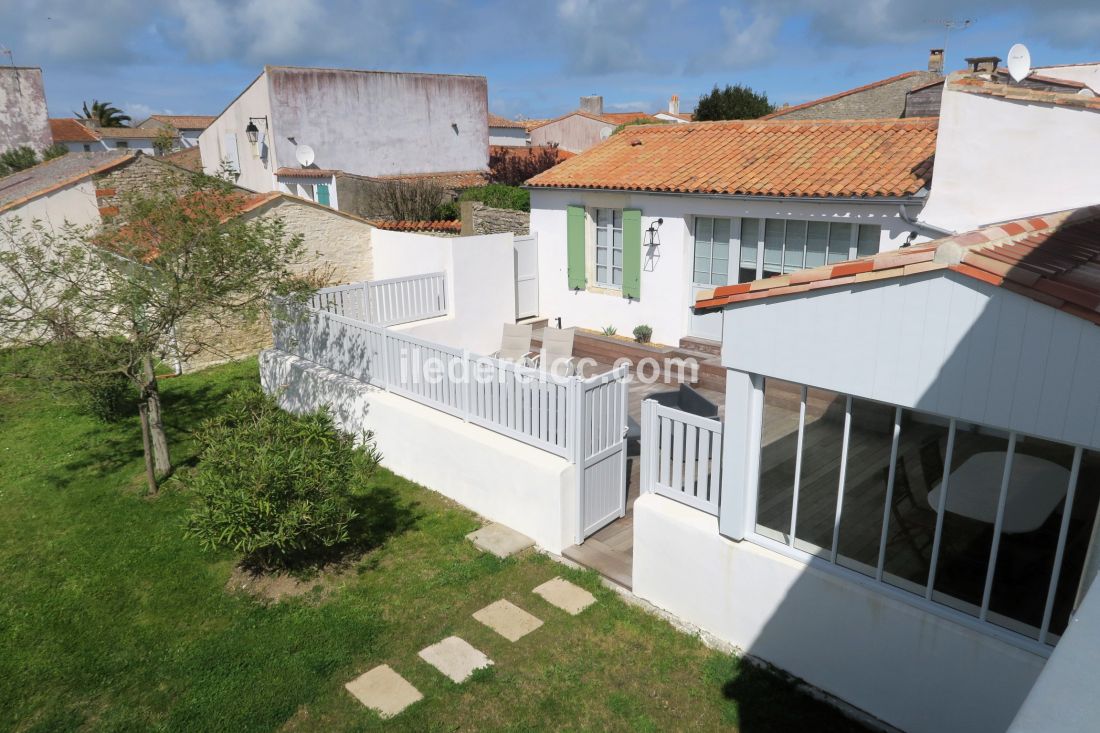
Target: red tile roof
{"type": "Point", "coordinates": [453, 227]}
{"type": "Point", "coordinates": [813, 103]}
{"type": "Point", "coordinates": [611, 118]}
{"type": "Point", "coordinates": [68, 130]}
{"type": "Point", "coordinates": [498, 121]}
{"type": "Point", "coordinates": [189, 158]}
{"type": "Point", "coordinates": [185, 122]}
{"type": "Point", "coordinates": [306, 172]}
{"type": "Point", "coordinates": [447, 179]}
{"type": "Point", "coordinates": [1054, 259]}
{"type": "Point", "coordinates": [811, 158]}
{"type": "Point", "coordinates": [128, 133]}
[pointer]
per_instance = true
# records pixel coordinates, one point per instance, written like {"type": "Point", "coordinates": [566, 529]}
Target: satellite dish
{"type": "Point", "coordinates": [305, 155]}
{"type": "Point", "coordinates": [1019, 62]}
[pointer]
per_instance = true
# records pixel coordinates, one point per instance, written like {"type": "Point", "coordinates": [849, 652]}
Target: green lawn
{"type": "Point", "coordinates": [111, 620]}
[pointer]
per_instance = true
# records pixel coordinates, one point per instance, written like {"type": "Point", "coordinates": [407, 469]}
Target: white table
{"type": "Point", "coordinates": [1035, 489]}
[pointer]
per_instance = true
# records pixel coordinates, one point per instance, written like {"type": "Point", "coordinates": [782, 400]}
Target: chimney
{"type": "Point", "coordinates": [935, 60]}
{"type": "Point", "coordinates": [674, 104]}
{"type": "Point", "coordinates": [592, 105]}
{"type": "Point", "coordinates": [986, 64]}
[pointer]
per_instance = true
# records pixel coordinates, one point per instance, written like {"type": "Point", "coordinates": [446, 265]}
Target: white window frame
{"type": "Point", "coordinates": [1043, 646]}
{"type": "Point", "coordinates": [733, 248]}
{"type": "Point", "coordinates": [852, 249]}
{"type": "Point", "coordinates": [610, 230]}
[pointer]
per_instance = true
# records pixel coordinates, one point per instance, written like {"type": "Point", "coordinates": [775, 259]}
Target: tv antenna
{"type": "Point", "coordinates": [949, 25]}
{"type": "Point", "coordinates": [5, 51]}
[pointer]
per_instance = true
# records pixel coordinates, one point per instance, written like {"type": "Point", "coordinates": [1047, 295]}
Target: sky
{"type": "Point", "coordinates": [195, 56]}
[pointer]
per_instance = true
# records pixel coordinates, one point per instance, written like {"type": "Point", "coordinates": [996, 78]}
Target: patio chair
{"type": "Point", "coordinates": [515, 343]}
{"type": "Point", "coordinates": [556, 356]}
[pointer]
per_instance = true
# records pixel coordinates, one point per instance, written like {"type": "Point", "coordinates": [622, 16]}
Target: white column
{"type": "Point", "coordinates": [740, 453]}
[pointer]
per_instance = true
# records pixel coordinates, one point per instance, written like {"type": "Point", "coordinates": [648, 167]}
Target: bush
{"type": "Point", "coordinates": [446, 211]}
{"type": "Point", "coordinates": [275, 486]}
{"type": "Point", "coordinates": [106, 397]}
{"type": "Point", "coordinates": [499, 196]}
{"type": "Point", "coordinates": [643, 333]}
{"type": "Point", "coordinates": [14, 160]}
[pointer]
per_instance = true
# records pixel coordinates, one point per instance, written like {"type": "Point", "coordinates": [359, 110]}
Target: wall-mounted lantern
{"type": "Point", "coordinates": [653, 238]}
{"type": "Point", "coordinates": [252, 131]}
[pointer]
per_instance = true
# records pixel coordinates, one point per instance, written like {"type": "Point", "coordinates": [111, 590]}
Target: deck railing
{"type": "Point", "coordinates": [681, 456]}
{"type": "Point", "coordinates": [527, 404]}
{"type": "Point", "coordinates": [388, 302]}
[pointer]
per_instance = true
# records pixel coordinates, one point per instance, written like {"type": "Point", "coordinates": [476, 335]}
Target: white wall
{"type": "Point", "coordinates": [75, 203]}
{"type": "Point", "coordinates": [982, 144]}
{"type": "Point", "coordinates": [504, 480]}
{"type": "Point", "coordinates": [910, 668]}
{"type": "Point", "coordinates": [666, 292]}
{"type": "Point", "coordinates": [1088, 74]}
{"type": "Point", "coordinates": [507, 136]}
{"type": "Point", "coordinates": [480, 283]}
{"type": "Point", "coordinates": [941, 343]}
{"type": "Point", "coordinates": [145, 145]}
{"type": "Point", "coordinates": [257, 173]}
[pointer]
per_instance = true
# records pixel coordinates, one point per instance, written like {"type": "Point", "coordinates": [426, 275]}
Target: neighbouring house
{"type": "Point", "coordinates": [886, 98]}
{"type": "Point", "coordinates": [84, 136]}
{"type": "Point", "coordinates": [74, 135]}
{"type": "Point", "coordinates": [629, 231]}
{"type": "Point", "coordinates": [23, 99]}
{"type": "Point", "coordinates": [319, 133]}
{"type": "Point", "coordinates": [579, 130]}
{"type": "Point", "coordinates": [60, 190]}
{"type": "Point", "coordinates": [503, 131]}
{"type": "Point", "coordinates": [673, 113]}
{"type": "Point", "coordinates": [186, 128]}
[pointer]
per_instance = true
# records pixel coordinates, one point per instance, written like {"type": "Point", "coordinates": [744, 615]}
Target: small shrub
{"type": "Point", "coordinates": [54, 151]}
{"type": "Point", "coordinates": [14, 160]}
{"type": "Point", "coordinates": [609, 331]}
{"type": "Point", "coordinates": [106, 397]}
{"type": "Point", "coordinates": [446, 211]}
{"type": "Point", "coordinates": [499, 196]}
{"type": "Point", "coordinates": [275, 486]}
{"type": "Point", "coordinates": [643, 333]}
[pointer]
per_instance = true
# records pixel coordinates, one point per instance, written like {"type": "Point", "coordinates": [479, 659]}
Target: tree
{"type": "Point", "coordinates": [17, 159]}
{"type": "Point", "coordinates": [735, 102]}
{"type": "Point", "coordinates": [512, 166]}
{"type": "Point", "coordinates": [165, 141]}
{"type": "Point", "coordinates": [412, 200]}
{"type": "Point", "coordinates": [162, 285]}
{"type": "Point", "coordinates": [103, 114]}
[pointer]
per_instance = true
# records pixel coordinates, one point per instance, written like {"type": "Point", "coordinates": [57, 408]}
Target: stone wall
{"type": "Point", "coordinates": [885, 101]}
{"type": "Point", "coordinates": [477, 218]}
{"type": "Point", "coordinates": [23, 100]}
{"type": "Point", "coordinates": [141, 176]}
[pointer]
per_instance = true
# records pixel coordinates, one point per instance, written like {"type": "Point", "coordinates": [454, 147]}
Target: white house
{"type": "Point", "coordinates": [586, 126]}
{"type": "Point", "coordinates": [631, 230]}
{"type": "Point", "coordinates": [80, 136]}
{"type": "Point", "coordinates": [503, 131]}
{"type": "Point", "coordinates": [60, 190]}
{"type": "Point", "coordinates": [186, 128]}
{"type": "Point", "coordinates": [293, 129]}
{"type": "Point", "coordinates": [673, 113]}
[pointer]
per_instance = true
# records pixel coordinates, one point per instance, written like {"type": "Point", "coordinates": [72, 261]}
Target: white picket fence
{"type": "Point", "coordinates": [529, 405]}
{"type": "Point", "coordinates": [388, 302]}
{"type": "Point", "coordinates": [681, 456]}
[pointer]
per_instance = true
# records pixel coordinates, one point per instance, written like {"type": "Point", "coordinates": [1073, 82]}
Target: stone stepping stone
{"type": "Point", "coordinates": [455, 658]}
{"type": "Point", "coordinates": [508, 620]}
{"type": "Point", "coordinates": [500, 540]}
{"type": "Point", "coordinates": [384, 691]}
{"type": "Point", "coordinates": [565, 595]}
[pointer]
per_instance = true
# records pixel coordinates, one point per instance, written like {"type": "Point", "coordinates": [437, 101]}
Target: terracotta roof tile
{"type": "Point", "coordinates": [185, 122]}
{"type": "Point", "coordinates": [446, 179]}
{"type": "Point", "coordinates": [453, 227]}
{"type": "Point", "coordinates": [978, 85]}
{"type": "Point", "coordinates": [845, 158]}
{"type": "Point", "coordinates": [306, 172]}
{"type": "Point", "coordinates": [498, 121]}
{"type": "Point", "coordinates": [1054, 259]}
{"type": "Point", "coordinates": [68, 130]}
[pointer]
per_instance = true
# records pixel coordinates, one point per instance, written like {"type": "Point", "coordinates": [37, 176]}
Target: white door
{"type": "Point", "coordinates": [601, 451]}
{"type": "Point", "coordinates": [526, 254]}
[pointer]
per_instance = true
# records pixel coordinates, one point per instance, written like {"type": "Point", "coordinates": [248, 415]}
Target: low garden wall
{"type": "Point", "coordinates": [502, 479]}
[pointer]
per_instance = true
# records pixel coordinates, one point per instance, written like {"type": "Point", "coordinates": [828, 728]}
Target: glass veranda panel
{"type": "Point", "coordinates": [778, 455]}
{"type": "Point", "coordinates": [1080, 530]}
{"type": "Point", "coordinates": [819, 477]}
{"type": "Point", "coordinates": [868, 470]}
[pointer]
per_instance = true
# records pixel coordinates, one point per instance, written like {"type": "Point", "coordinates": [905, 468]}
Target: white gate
{"type": "Point", "coordinates": [681, 456]}
{"type": "Point", "coordinates": [601, 450]}
{"type": "Point", "coordinates": [526, 254]}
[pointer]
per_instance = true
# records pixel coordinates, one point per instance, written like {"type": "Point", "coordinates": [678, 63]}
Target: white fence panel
{"type": "Point", "coordinates": [601, 405]}
{"type": "Point", "coordinates": [347, 346]}
{"type": "Point", "coordinates": [521, 402]}
{"type": "Point", "coordinates": [349, 301]}
{"type": "Point", "coordinates": [406, 299]}
{"type": "Point", "coordinates": [681, 456]}
{"type": "Point", "coordinates": [427, 372]}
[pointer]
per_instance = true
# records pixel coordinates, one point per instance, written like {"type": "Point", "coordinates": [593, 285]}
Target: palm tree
{"type": "Point", "coordinates": [103, 114]}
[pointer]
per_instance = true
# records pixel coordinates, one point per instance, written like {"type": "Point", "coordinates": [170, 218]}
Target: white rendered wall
{"type": "Point", "coordinates": [910, 668]}
{"type": "Point", "coordinates": [504, 480]}
{"type": "Point", "coordinates": [257, 173]}
{"type": "Point", "coordinates": [666, 289]}
{"type": "Point", "coordinates": [507, 136]}
{"type": "Point", "coordinates": [981, 142]}
{"type": "Point", "coordinates": [75, 203]}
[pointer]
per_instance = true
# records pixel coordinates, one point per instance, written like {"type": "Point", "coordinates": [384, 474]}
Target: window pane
{"type": "Point", "coordinates": [778, 447]}
{"type": "Point", "coordinates": [601, 256]}
{"type": "Point", "coordinates": [601, 217]}
{"type": "Point", "coordinates": [840, 242]}
{"type": "Point", "coordinates": [618, 239]}
{"type": "Point", "coordinates": [817, 241]}
{"type": "Point", "coordinates": [617, 217]}
{"type": "Point", "coordinates": [601, 274]}
{"type": "Point", "coordinates": [822, 441]}
{"type": "Point", "coordinates": [773, 243]}
{"type": "Point", "coordinates": [702, 249]}
{"type": "Point", "coordinates": [719, 277]}
{"type": "Point", "coordinates": [617, 258]}
{"type": "Point", "coordinates": [977, 466]}
{"type": "Point", "coordinates": [1029, 535]}
{"type": "Point", "coordinates": [722, 249]}
{"type": "Point", "coordinates": [703, 229]}
{"type": "Point", "coordinates": [750, 236]}
{"type": "Point", "coordinates": [794, 253]}
{"type": "Point", "coordinates": [869, 236]}
{"type": "Point", "coordinates": [702, 277]}
{"type": "Point", "coordinates": [702, 264]}
{"type": "Point", "coordinates": [865, 479]}
{"type": "Point", "coordinates": [617, 276]}
{"type": "Point", "coordinates": [1077, 541]}
{"type": "Point", "coordinates": [912, 518]}
{"type": "Point", "coordinates": [722, 230]}
{"type": "Point", "coordinates": [601, 237]}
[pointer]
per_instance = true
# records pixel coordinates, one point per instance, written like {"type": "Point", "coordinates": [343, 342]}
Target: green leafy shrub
{"type": "Point", "coordinates": [14, 160]}
{"type": "Point", "coordinates": [643, 333]}
{"type": "Point", "coordinates": [106, 397]}
{"type": "Point", "coordinates": [609, 331]}
{"type": "Point", "coordinates": [54, 151]}
{"type": "Point", "coordinates": [446, 211]}
{"type": "Point", "coordinates": [273, 486]}
{"type": "Point", "coordinates": [499, 196]}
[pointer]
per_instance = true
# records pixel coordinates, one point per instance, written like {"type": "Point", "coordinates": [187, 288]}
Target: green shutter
{"type": "Point", "coordinates": [632, 253]}
{"type": "Point", "coordinates": [322, 194]}
{"type": "Point", "coordinates": [575, 236]}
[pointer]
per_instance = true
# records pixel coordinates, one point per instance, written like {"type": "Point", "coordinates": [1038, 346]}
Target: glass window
{"type": "Point", "coordinates": [794, 249]}
{"type": "Point", "coordinates": [868, 239]}
{"type": "Point", "coordinates": [840, 242]}
{"type": "Point", "coordinates": [773, 246]}
{"type": "Point", "coordinates": [1080, 531]}
{"type": "Point", "coordinates": [609, 247]}
{"type": "Point", "coordinates": [817, 243]}
{"type": "Point", "coordinates": [122, 144]}
{"type": "Point", "coordinates": [712, 242]}
{"type": "Point", "coordinates": [778, 456]}
{"type": "Point", "coordinates": [819, 475]}
{"type": "Point", "coordinates": [870, 442]}
{"type": "Point", "coordinates": [750, 241]}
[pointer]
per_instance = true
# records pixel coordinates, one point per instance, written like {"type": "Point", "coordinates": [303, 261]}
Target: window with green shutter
{"type": "Point", "coordinates": [575, 236]}
{"type": "Point", "coordinates": [632, 253]}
